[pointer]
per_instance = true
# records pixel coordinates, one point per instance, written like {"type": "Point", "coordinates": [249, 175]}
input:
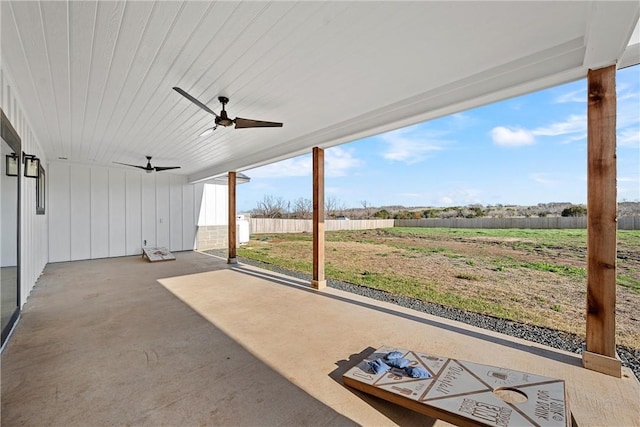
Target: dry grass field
{"type": "Point", "coordinates": [530, 276]}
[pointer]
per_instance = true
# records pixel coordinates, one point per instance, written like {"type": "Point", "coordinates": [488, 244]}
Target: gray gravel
{"type": "Point", "coordinates": [557, 339]}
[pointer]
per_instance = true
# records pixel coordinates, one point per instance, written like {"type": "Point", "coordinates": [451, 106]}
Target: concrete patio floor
{"type": "Point", "coordinates": [194, 341]}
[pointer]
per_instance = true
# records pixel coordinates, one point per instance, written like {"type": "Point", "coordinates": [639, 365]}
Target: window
{"type": "Point", "coordinates": [41, 192]}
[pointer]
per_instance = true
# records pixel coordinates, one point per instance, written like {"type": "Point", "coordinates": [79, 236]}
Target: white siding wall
{"type": "Point", "coordinates": [99, 212]}
{"type": "Point", "coordinates": [33, 228]}
{"type": "Point", "coordinates": [214, 205]}
{"type": "Point", "coordinates": [133, 204]}
{"type": "Point", "coordinates": [190, 210]}
{"type": "Point", "coordinates": [94, 212]}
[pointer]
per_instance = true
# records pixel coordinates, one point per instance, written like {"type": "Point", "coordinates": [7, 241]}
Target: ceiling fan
{"type": "Point", "coordinates": [223, 119]}
{"type": "Point", "coordinates": [150, 168]}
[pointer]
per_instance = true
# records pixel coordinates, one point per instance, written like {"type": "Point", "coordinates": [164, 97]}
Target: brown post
{"type": "Point", "coordinates": [600, 352]}
{"type": "Point", "coordinates": [232, 219]}
{"type": "Point", "coordinates": [318, 281]}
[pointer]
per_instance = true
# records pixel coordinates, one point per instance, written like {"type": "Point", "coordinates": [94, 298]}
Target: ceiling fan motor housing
{"type": "Point", "coordinates": [223, 120]}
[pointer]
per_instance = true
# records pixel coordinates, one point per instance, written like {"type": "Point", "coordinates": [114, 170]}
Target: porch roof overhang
{"type": "Point", "coordinates": [95, 77]}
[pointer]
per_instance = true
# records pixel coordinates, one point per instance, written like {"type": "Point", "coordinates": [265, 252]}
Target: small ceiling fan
{"type": "Point", "coordinates": [223, 119]}
{"type": "Point", "coordinates": [150, 168]}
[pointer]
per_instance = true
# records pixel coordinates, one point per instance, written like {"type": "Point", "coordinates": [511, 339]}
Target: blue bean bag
{"type": "Point", "coordinates": [399, 363]}
{"type": "Point", "coordinates": [417, 372]}
{"type": "Point", "coordinates": [378, 366]}
{"type": "Point", "coordinates": [393, 355]}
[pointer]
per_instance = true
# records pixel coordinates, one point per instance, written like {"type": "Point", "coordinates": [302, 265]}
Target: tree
{"type": "Point", "coordinates": [270, 207]}
{"type": "Point", "coordinates": [367, 208]}
{"type": "Point", "coordinates": [332, 206]}
{"type": "Point", "coordinates": [382, 214]}
{"type": "Point", "coordinates": [431, 213]}
{"type": "Point", "coordinates": [302, 208]}
{"type": "Point", "coordinates": [578, 210]}
{"type": "Point", "coordinates": [476, 212]}
{"type": "Point", "coordinates": [403, 214]}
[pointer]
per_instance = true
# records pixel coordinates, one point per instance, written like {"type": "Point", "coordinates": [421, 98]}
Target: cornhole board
{"type": "Point", "coordinates": [157, 254]}
{"type": "Point", "coordinates": [466, 393]}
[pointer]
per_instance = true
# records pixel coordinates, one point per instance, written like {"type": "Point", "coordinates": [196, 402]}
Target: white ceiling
{"type": "Point", "coordinates": [95, 78]}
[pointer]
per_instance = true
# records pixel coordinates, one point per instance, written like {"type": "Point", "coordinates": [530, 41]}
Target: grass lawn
{"type": "Point", "coordinates": [531, 276]}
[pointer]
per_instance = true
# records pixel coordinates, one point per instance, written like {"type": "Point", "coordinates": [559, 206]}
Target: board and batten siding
{"type": "Point", "coordinates": [33, 227]}
{"type": "Point", "coordinates": [212, 220]}
{"type": "Point", "coordinates": [214, 197]}
{"type": "Point", "coordinates": [101, 212]}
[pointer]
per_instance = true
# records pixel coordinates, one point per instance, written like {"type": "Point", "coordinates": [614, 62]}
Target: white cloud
{"type": "Point", "coordinates": [411, 195]}
{"type": "Point", "coordinates": [628, 110]}
{"type": "Point", "coordinates": [628, 179]}
{"type": "Point", "coordinates": [544, 179]}
{"type": "Point", "coordinates": [452, 196]}
{"type": "Point", "coordinates": [625, 91]}
{"type": "Point", "coordinates": [576, 123]}
{"type": "Point", "coordinates": [334, 190]}
{"type": "Point", "coordinates": [338, 162]}
{"type": "Point", "coordinates": [462, 120]}
{"type": "Point", "coordinates": [446, 201]}
{"type": "Point", "coordinates": [262, 185]}
{"type": "Point", "coordinates": [512, 137]}
{"type": "Point", "coordinates": [456, 196]}
{"type": "Point", "coordinates": [630, 193]}
{"type": "Point", "coordinates": [574, 128]}
{"type": "Point", "coordinates": [579, 95]}
{"type": "Point", "coordinates": [628, 118]}
{"type": "Point", "coordinates": [412, 145]}
{"type": "Point", "coordinates": [460, 197]}
{"type": "Point", "coordinates": [297, 166]}
{"type": "Point", "coordinates": [629, 138]}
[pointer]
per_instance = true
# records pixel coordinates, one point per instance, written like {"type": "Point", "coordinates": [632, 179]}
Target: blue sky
{"type": "Point", "coordinates": [526, 150]}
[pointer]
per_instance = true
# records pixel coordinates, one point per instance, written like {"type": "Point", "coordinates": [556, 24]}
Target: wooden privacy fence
{"type": "Point", "coordinates": [624, 223]}
{"type": "Point", "coordinates": [275, 225]}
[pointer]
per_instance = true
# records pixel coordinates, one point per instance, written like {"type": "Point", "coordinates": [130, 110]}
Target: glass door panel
{"type": "Point", "coordinates": [9, 190]}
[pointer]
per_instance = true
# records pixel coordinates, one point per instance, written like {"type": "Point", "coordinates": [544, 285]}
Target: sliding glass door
{"type": "Point", "coordinates": [9, 226]}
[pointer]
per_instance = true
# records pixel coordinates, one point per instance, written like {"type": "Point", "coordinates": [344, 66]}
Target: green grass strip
{"type": "Point", "coordinates": [409, 287]}
{"type": "Point", "coordinates": [631, 283]}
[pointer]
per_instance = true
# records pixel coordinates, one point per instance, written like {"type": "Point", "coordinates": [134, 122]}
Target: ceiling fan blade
{"type": "Point", "coordinates": [165, 168]}
{"type": "Point", "coordinates": [248, 123]}
{"type": "Point", "coordinates": [133, 166]}
{"type": "Point", "coordinates": [195, 101]}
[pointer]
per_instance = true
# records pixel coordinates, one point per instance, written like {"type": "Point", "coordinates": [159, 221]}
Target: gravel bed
{"type": "Point", "coordinates": [557, 339]}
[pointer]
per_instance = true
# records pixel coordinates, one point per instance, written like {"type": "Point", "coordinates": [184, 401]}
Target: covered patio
{"type": "Point", "coordinates": [198, 342]}
{"type": "Point", "coordinates": [86, 91]}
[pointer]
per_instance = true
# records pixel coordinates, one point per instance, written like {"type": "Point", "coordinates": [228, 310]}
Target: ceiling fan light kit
{"type": "Point", "coordinates": [223, 119]}
{"type": "Point", "coordinates": [207, 132]}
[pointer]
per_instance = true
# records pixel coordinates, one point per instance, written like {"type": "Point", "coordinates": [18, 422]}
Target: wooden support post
{"type": "Point", "coordinates": [232, 219]}
{"type": "Point", "coordinates": [600, 352]}
{"type": "Point", "coordinates": [318, 281]}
